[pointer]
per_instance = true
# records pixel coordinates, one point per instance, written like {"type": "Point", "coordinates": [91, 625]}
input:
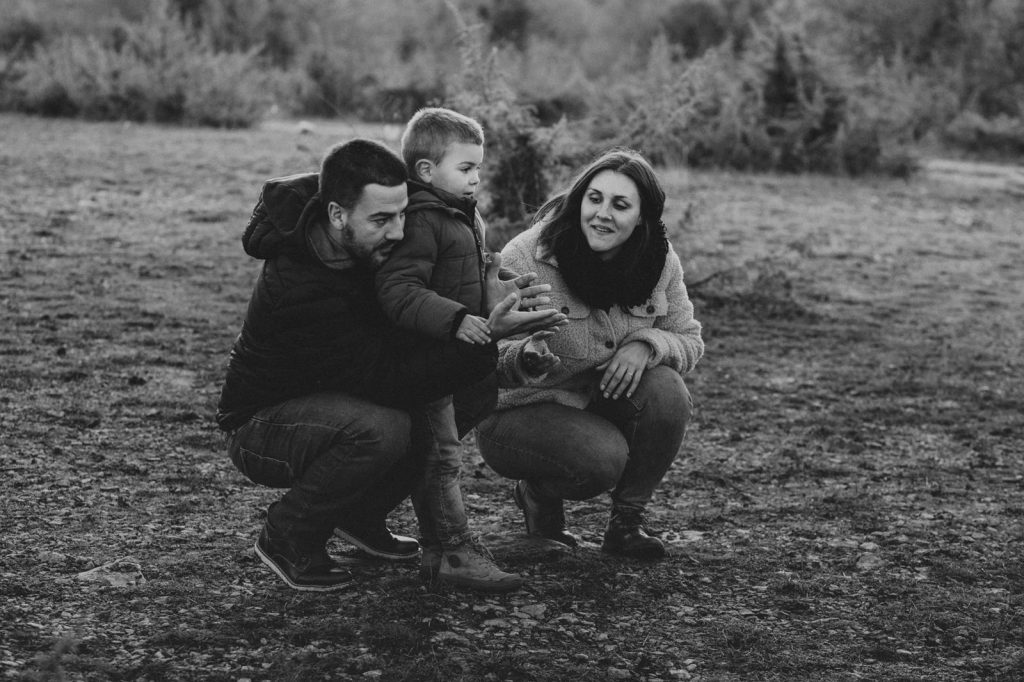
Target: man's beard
{"type": "Point", "coordinates": [371, 257]}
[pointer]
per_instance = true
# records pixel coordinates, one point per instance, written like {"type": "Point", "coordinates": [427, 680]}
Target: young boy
{"type": "Point", "coordinates": [434, 283]}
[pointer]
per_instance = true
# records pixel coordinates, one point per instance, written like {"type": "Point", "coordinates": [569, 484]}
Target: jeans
{"type": "Point", "coordinates": [345, 461]}
{"type": "Point", "coordinates": [437, 497]}
{"type": "Point", "coordinates": [625, 446]}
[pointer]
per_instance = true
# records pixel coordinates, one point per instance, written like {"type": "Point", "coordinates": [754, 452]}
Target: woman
{"type": "Point", "coordinates": [600, 405]}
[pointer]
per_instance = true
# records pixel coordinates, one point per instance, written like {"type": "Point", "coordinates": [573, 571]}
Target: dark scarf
{"type": "Point", "coordinates": [627, 280]}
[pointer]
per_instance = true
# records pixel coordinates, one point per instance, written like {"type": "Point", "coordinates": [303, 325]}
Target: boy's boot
{"type": "Point", "coordinates": [625, 536]}
{"type": "Point", "coordinates": [430, 562]}
{"type": "Point", "coordinates": [545, 517]}
{"type": "Point", "coordinates": [470, 565]}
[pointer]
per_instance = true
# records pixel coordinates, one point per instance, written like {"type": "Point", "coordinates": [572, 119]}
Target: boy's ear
{"type": "Point", "coordinates": [424, 170]}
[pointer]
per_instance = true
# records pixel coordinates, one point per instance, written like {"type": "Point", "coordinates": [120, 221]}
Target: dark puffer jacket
{"type": "Point", "coordinates": [436, 275]}
{"type": "Point", "coordinates": [312, 328]}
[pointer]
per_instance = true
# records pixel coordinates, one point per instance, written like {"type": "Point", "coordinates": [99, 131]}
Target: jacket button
{"type": "Point", "coordinates": [609, 345]}
{"type": "Point", "coordinates": [650, 309]}
{"type": "Point", "coordinates": [565, 310]}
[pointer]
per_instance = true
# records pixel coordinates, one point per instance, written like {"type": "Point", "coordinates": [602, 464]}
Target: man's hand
{"type": "Point", "coordinates": [537, 357]}
{"type": "Point", "coordinates": [473, 329]}
{"type": "Point", "coordinates": [495, 290]}
{"type": "Point", "coordinates": [506, 320]}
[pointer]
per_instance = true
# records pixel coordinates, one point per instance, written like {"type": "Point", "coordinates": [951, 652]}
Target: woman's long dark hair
{"type": "Point", "coordinates": [638, 266]}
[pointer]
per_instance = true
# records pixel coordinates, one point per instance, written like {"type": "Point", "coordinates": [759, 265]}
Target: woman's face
{"type": "Point", "coordinates": [609, 213]}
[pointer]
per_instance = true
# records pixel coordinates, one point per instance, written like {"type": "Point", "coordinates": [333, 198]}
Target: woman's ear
{"type": "Point", "coordinates": [424, 170]}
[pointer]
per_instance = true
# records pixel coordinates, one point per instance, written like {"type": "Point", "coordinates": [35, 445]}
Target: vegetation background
{"type": "Point", "coordinates": [848, 503]}
{"type": "Point", "coordinates": [835, 86]}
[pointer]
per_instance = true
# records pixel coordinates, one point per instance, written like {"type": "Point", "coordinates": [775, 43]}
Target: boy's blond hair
{"type": "Point", "coordinates": [430, 131]}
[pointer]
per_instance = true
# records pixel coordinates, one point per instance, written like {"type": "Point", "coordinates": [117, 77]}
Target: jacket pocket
{"type": "Point", "coordinates": [642, 316]}
{"type": "Point", "coordinates": [574, 341]}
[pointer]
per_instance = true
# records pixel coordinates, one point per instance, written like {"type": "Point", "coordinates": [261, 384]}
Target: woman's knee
{"type": "Point", "coordinates": [602, 471]}
{"type": "Point", "coordinates": [666, 396]}
{"type": "Point", "coordinates": [582, 457]}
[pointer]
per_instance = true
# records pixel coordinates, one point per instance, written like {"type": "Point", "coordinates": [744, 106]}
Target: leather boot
{"type": "Point", "coordinates": [305, 568]}
{"type": "Point", "coordinates": [545, 517]}
{"type": "Point", "coordinates": [625, 536]}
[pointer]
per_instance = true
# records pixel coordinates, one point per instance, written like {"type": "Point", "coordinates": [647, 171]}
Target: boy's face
{"type": "Point", "coordinates": [458, 172]}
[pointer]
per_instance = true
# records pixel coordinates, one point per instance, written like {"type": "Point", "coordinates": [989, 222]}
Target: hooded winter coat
{"type": "Point", "coordinates": [435, 277]}
{"type": "Point", "coordinates": [315, 326]}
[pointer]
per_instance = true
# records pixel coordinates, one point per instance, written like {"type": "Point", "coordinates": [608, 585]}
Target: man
{"type": "Point", "coordinates": [319, 383]}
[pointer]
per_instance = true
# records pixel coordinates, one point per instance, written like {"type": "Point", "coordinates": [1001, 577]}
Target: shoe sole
{"type": "Point", "coordinates": [294, 585]}
{"type": "Point", "coordinates": [651, 555]}
{"type": "Point", "coordinates": [479, 586]}
{"type": "Point", "coordinates": [353, 540]}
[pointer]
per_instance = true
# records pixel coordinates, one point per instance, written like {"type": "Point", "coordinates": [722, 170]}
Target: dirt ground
{"type": "Point", "coordinates": [847, 505]}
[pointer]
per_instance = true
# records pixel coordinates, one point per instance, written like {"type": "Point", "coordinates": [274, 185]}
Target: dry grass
{"type": "Point", "coordinates": [847, 505]}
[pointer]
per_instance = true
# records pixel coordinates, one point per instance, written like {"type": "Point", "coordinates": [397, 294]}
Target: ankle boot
{"type": "Point", "coordinates": [545, 517]}
{"type": "Point", "coordinates": [625, 536]}
{"type": "Point", "coordinates": [302, 567]}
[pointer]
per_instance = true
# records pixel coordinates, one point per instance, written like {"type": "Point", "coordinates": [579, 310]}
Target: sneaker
{"type": "Point", "coordinates": [376, 539]}
{"type": "Point", "coordinates": [309, 571]}
{"type": "Point", "coordinates": [626, 536]}
{"type": "Point", "coordinates": [544, 517]}
{"type": "Point", "coordinates": [470, 565]}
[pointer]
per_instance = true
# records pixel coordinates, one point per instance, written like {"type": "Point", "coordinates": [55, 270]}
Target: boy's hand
{"type": "Point", "coordinates": [537, 357]}
{"type": "Point", "coordinates": [495, 289]}
{"type": "Point", "coordinates": [473, 329]}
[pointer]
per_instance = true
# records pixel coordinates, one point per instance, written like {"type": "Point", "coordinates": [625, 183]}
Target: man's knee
{"type": "Point", "coordinates": [384, 433]}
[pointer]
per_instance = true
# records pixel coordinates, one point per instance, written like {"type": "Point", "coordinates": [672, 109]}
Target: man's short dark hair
{"type": "Point", "coordinates": [350, 166]}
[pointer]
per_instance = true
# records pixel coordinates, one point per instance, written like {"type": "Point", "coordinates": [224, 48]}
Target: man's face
{"type": "Point", "coordinates": [371, 229]}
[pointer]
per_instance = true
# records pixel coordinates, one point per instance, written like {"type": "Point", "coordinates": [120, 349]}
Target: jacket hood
{"type": "Point", "coordinates": [287, 207]}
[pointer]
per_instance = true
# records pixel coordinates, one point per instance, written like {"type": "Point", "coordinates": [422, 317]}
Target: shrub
{"type": "Point", "coordinates": [775, 106]}
{"type": "Point", "coordinates": [522, 158]}
{"type": "Point", "coordinates": [696, 25]}
{"type": "Point", "coordinates": [20, 33]}
{"type": "Point", "coordinates": [976, 47]}
{"type": "Point", "coordinates": [152, 71]}
{"type": "Point", "coordinates": [998, 136]}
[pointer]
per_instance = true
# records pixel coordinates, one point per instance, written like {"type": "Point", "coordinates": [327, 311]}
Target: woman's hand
{"type": "Point", "coordinates": [622, 373]}
{"type": "Point", "coordinates": [537, 357]}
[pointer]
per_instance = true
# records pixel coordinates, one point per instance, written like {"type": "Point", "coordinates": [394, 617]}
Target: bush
{"type": "Point", "coordinates": [522, 159]}
{"type": "Point", "coordinates": [775, 106]}
{"type": "Point", "coordinates": [19, 34]}
{"type": "Point", "coordinates": [1000, 136]}
{"type": "Point", "coordinates": [153, 71]}
{"type": "Point", "coordinates": [975, 47]}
